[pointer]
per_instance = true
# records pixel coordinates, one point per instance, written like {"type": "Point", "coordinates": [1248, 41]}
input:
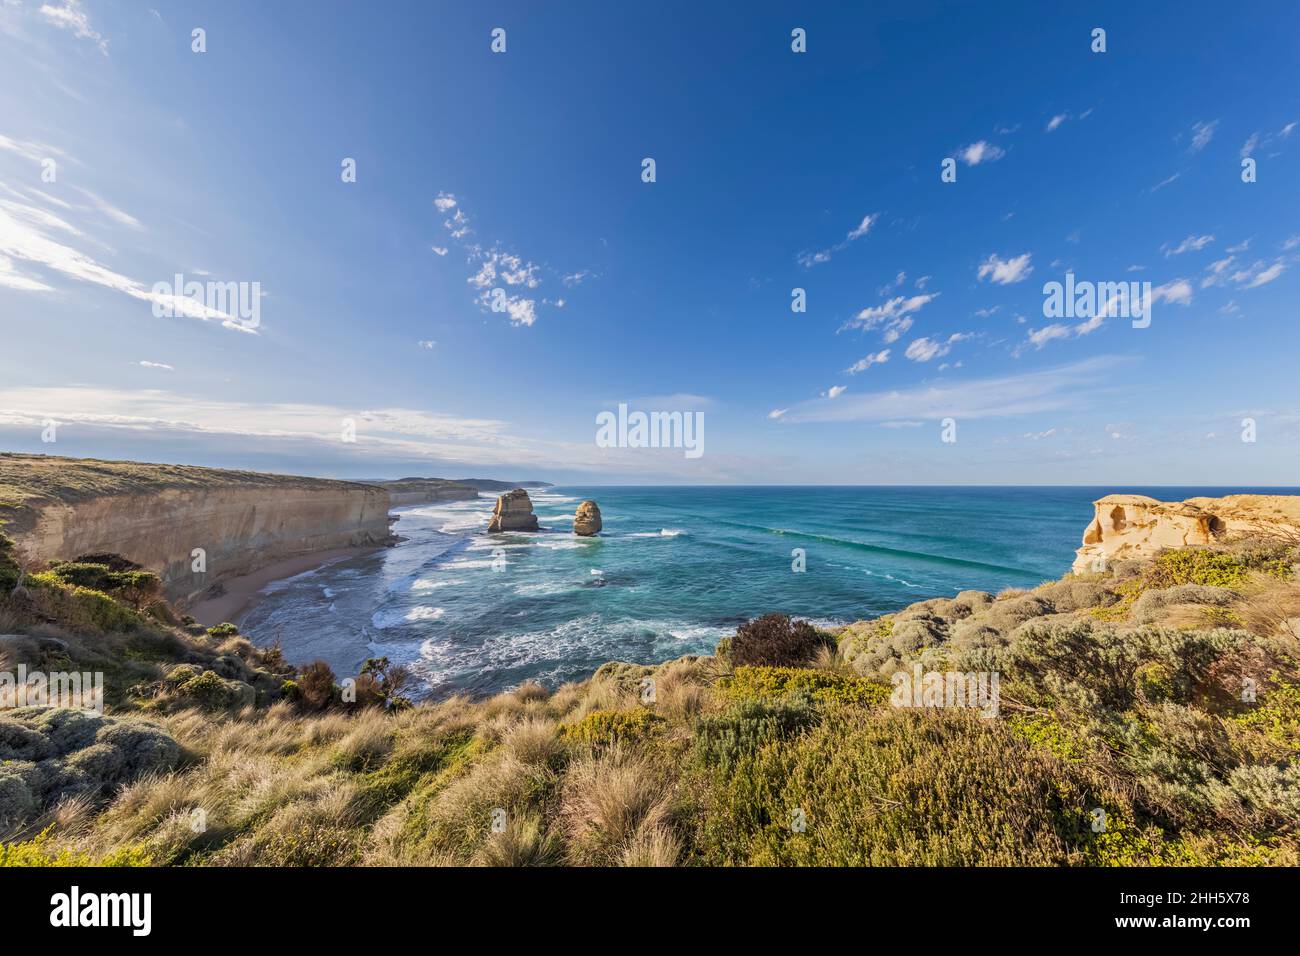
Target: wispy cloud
{"type": "Point", "coordinates": [810, 259]}
{"type": "Point", "coordinates": [1063, 387]}
{"type": "Point", "coordinates": [1190, 244]}
{"type": "Point", "coordinates": [1202, 133]}
{"type": "Point", "coordinates": [25, 235]}
{"type": "Point", "coordinates": [864, 363]}
{"type": "Point", "coordinates": [70, 15]}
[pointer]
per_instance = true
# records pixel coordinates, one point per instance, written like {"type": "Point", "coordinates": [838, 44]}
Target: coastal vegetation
{"type": "Point", "coordinates": [1149, 715]}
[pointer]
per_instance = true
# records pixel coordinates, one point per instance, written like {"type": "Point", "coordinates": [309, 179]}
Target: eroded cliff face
{"type": "Point", "coordinates": [239, 529]}
{"type": "Point", "coordinates": [1127, 527]}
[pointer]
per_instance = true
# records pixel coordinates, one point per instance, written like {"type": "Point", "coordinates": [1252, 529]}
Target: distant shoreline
{"type": "Point", "coordinates": [240, 592]}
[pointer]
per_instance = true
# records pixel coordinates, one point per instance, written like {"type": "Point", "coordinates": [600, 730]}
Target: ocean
{"type": "Point", "coordinates": [674, 570]}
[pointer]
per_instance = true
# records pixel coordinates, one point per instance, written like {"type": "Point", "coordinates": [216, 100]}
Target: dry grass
{"type": "Point", "coordinates": [611, 803]}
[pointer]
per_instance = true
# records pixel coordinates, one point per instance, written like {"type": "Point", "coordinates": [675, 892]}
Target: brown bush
{"type": "Point", "coordinates": [774, 640]}
{"type": "Point", "coordinates": [316, 685]}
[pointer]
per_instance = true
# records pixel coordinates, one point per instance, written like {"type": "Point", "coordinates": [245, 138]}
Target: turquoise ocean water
{"type": "Point", "coordinates": [674, 570]}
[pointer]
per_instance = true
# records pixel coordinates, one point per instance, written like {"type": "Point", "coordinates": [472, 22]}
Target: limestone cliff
{"type": "Point", "coordinates": [158, 515]}
{"type": "Point", "coordinates": [1126, 527]}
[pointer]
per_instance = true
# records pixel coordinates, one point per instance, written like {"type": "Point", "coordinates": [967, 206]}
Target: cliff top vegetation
{"type": "Point", "coordinates": [1149, 714]}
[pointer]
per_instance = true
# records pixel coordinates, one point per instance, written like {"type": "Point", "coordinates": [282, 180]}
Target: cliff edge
{"type": "Point", "coordinates": [1129, 527]}
{"type": "Point", "coordinates": [192, 526]}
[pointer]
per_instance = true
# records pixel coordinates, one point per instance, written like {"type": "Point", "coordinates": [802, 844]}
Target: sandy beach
{"type": "Point", "coordinates": [239, 592]}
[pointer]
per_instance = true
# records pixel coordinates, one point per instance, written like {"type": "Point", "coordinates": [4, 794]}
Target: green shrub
{"type": "Point", "coordinates": [132, 585]}
{"type": "Point", "coordinates": [774, 640]}
{"type": "Point", "coordinates": [39, 852]}
{"type": "Point", "coordinates": [10, 573]}
{"type": "Point", "coordinates": [722, 740]}
{"type": "Point", "coordinates": [823, 687]}
{"type": "Point", "coordinates": [211, 691]}
{"type": "Point", "coordinates": [888, 788]}
{"type": "Point", "coordinates": [1214, 567]}
{"type": "Point", "coordinates": [605, 728]}
{"type": "Point", "coordinates": [221, 631]}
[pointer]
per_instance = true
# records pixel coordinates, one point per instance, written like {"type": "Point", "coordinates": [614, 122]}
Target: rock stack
{"type": "Point", "coordinates": [514, 512]}
{"type": "Point", "coordinates": [586, 521]}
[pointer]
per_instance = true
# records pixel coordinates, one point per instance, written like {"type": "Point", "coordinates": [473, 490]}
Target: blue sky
{"type": "Point", "coordinates": [775, 170]}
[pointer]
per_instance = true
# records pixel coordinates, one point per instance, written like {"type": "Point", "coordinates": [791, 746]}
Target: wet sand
{"type": "Point", "coordinates": [241, 591]}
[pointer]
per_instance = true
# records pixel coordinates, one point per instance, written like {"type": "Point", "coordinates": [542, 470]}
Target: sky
{"type": "Point", "coordinates": [499, 272]}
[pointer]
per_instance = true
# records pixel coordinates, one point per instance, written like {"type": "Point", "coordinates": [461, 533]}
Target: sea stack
{"type": "Point", "coordinates": [514, 512]}
{"type": "Point", "coordinates": [586, 520]}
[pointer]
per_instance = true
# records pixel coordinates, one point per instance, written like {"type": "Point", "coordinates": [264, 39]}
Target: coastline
{"type": "Point", "coordinates": [241, 591]}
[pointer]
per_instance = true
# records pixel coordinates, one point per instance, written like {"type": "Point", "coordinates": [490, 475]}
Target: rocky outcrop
{"type": "Point", "coordinates": [193, 526]}
{"type": "Point", "coordinates": [1128, 527]}
{"type": "Point", "coordinates": [514, 512]}
{"type": "Point", "coordinates": [49, 754]}
{"type": "Point", "coordinates": [586, 520]}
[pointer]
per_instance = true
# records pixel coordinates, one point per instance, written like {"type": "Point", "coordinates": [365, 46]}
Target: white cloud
{"type": "Point", "coordinates": [1178, 292]}
{"type": "Point", "coordinates": [925, 349]}
{"type": "Point", "coordinates": [1040, 337]}
{"type": "Point", "coordinates": [1202, 133]}
{"type": "Point", "coordinates": [445, 202]}
{"type": "Point", "coordinates": [1251, 144]}
{"type": "Point", "coordinates": [1056, 121]}
{"type": "Point", "coordinates": [864, 363]}
{"type": "Point", "coordinates": [835, 391]}
{"type": "Point", "coordinates": [11, 278]}
{"type": "Point", "coordinates": [576, 278]}
{"type": "Point", "coordinates": [777, 413]}
{"type": "Point", "coordinates": [980, 152]}
{"type": "Point", "coordinates": [894, 316]}
{"type": "Point", "coordinates": [1259, 274]}
{"type": "Point", "coordinates": [71, 16]}
{"type": "Point", "coordinates": [427, 344]}
{"type": "Point", "coordinates": [1190, 244]}
{"type": "Point", "coordinates": [495, 265]}
{"type": "Point", "coordinates": [440, 250]}
{"type": "Point", "coordinates": [1005, 271]}
{"type": "Point", "coordinates": [158, 365]}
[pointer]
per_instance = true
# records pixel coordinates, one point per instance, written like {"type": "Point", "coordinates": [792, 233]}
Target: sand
{"type": "Point", "coordinates": [241, 591]}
